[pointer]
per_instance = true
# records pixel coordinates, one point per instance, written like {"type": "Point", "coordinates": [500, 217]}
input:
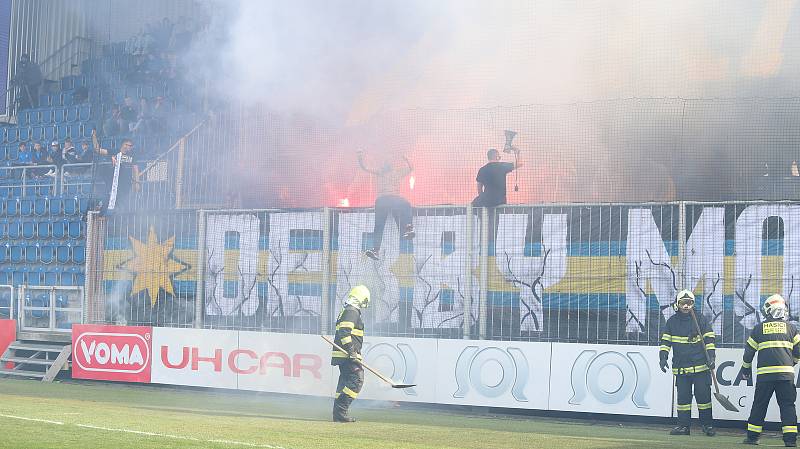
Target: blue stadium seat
{"type": "Point", "coordinates": [28, 230]}
{"type": "Point", "coordinates": [5, 192]}
{"type": "Point", "coordinates": [43, 229]}
{"type": "Point", "coordinates": [5, 275]}
{"type": "Point", "coordinates": [85, 113]}
{"type": "Point", "coordinates": [79, 254]}
{"type": "Point", "coordinates": [52, 277]}
{"type": "Point", "coordinates": [37, 276]}
{"type": "Point", "coordinates": [3, 152]}
{"type": "Point", "coordinates": [40, 206]}
{"type": "Point", "coordinates": [63, 254]}
{"type": "Point", "coordinates": [31, 254]}
{"type": "Point", "coordinates": [76, 130]}
{"type": "Point", "coordinates": [72, 114]}
{"type": "Point", "coordinates": [16, 254]}
{"type": "Point", "coordinates": [24, 134]}
{"type": "Point", "coordinates": [12, 153]}
{"type": "Point", "coordinates": [50, 132]}
{"type": "Point", "coordinates": [70, 206]}
{"type": "Point", "coordinates": [12, 135]}
{"type": "Point", "coordinates": [35, 117]}
{"type": "Point", "coordinates": [55, 206]}
{"type": "Point", "coordinates": [47, 116]}
{"type": "Point", "coordinates": [12, 207]}
{"type": "Point", "coordinates": [5, 299]}
{"type": "Point", "coordinates": [23, 118]}
{"type": "Point", "coordinates": [59, 230]}
{"type": "Point", "coordinates": [14, 230]}
{"type": "Point", "coordinates": [45, 100]}
{"type": "Point", "coordinates": [25, 207]}
{"type": "Point", "coordinates": [68, 82]}
{"type": "Point", "coordinates": [37, 133]}
{"type": "Point", "coordinates": [75, 229]}
{"type": "Point", "coordinates": [47, 253]}
{"type": "Point", "coordinates": [63, 131]}
{"type": "Point", "coordinates": [3, 229]}
{"type": "Point", "coordinates": [83, 205]}
{"type": "Point", "coordinates": [4, 253]}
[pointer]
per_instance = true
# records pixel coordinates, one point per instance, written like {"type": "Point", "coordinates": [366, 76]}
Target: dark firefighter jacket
{"type": "Point", "coordinates": [349, 334]}
{"type": "Point", "coordinates": [778, 347]}
{"type": "Point", "coordinates": [687, 353]}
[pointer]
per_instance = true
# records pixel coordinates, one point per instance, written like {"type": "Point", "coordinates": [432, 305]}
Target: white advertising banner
{"type": "Point", "coordinates": [738, 390]}
{"type": "Point", "coordinates": [609, 379]}
{"type": "Point", "coordinates": [493, 373]}
{"type": "Point", "coordinates": [283, 363]}
{"type": "Point", "coordinates": [196, 357]}
{"type": "Point", "coordinates": [404, 360]}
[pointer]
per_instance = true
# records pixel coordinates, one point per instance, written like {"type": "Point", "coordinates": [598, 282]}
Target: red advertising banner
{"type": "Point", "coordinates": [8, 333]}
{"type": "Point", "coordinates": [118, 353]}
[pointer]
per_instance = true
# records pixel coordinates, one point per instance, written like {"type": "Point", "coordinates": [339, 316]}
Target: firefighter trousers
{"type": "Point", "coordinates": [785, 395]}
{"type": "Point", "coordinates": [351, 378]}
{"type": "Point", "coordinates": [701, 384]}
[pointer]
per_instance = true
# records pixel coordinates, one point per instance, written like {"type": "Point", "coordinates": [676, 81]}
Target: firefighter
{"type": "Point", "coordinates": [778, 345]}
{"type": "Point", "coordinates": [689, 363]}
{"type": "Point", "coordinates": [350, 337]}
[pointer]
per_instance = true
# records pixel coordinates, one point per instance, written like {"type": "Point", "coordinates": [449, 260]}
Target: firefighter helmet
{"type": "Point", "coordinates": [775, 307]}
{"type": "Point", "coordinates": [683, 297]}
{"type": "Point", "coordinates": [358, 297]}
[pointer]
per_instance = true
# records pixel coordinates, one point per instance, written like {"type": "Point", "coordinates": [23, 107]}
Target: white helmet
{"type": "Point", "coordinates": [683, 297]}
{"type": "Point", "coordinates": [775, 307]}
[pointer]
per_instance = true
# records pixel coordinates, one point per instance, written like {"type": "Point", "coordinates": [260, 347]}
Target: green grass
{"type": "Point", "coordinates": [185, 418]}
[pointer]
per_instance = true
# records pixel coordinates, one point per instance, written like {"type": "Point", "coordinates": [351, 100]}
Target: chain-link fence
{"type": "Point", "coordinates": [571, 273]}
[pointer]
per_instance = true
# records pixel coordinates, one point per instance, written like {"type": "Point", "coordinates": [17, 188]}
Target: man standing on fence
{"type": "Point", "coordinates": [350, 337]}
{"type": "Point", "coordinates": [778, 346]}
{"type": "Point", "coordinates": [492, 185]}
{"type": "Point", "coordinates": [689, 363]}
{"type": "Point", "coordinates": [389, 179]}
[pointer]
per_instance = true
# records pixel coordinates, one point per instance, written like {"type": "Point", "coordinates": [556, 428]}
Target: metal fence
{"type": "Point", "coordinates": [571, 273]}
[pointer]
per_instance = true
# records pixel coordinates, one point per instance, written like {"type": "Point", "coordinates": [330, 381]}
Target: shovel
{"type": "Point", "coordinates": [723, 400]}
{"type": "Point", "coordinates": [369, 368]}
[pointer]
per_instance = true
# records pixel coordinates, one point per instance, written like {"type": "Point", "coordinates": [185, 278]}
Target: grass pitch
{"type": "Point", "coordinates": [101, 415]}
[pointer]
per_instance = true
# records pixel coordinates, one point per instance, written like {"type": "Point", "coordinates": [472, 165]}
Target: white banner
{"type": "Point", "coordinates": [609, 379]}
{"type": "Point", "coordinates": [196, 357]}
{"type": "Point", "coordinates": [493, 373]}
{"type": "Point", "coordinates": [404, 360]}
{"type": "Point", "coordinates": [283, 363]}
{"type": "Point", "coordinates": [739, 391]}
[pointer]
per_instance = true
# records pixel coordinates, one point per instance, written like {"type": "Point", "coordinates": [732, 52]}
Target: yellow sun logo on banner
{"type": "Point", "coordinates": [153, 266]}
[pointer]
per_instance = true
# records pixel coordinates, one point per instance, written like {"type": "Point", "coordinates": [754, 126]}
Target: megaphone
{"type": "Point", "coordinates": [509, 148]}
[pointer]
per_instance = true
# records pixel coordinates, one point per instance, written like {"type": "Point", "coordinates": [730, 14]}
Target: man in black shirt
{"type": "Point", "coordinates": [492, 181]}
{"type": "Point", "coordinates": [492, 186]}
{"type": "Point", "coordinates": [125, 179]}
{"type": "Point", "coordinates": [778, 346]}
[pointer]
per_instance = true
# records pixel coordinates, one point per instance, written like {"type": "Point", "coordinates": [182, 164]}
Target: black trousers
{"type": "Point", "coordinates": [701, 384]}
{"type": "Point", "coordinates": [397, 206]}
{"type": "Point", "coordinates": [351, 379]}
{"type": "Point", "coordinates": [785, 394]}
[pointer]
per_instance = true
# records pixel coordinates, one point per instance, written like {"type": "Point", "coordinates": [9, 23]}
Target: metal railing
{"type": "Point", "coordinates": [30, 180]}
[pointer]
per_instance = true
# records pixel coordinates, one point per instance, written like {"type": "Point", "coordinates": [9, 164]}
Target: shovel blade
{"type": "Point", "coordinates": [725, 402]}
{"type": "Point", "coordinates": [403, 385]}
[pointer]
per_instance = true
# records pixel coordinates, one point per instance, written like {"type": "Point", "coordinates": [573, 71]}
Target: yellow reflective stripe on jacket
{"type": "Point", "coordinates": [752, 343]}
{"type": "Point", "coordinates": [337, 353]}
{"type": "Point", "coordinates": [346, 340]}
{"type": "Point", "coordinates": [667, 337]}
{"type": "Point", "coordinates": [710, 335]}
{"type": "Point", "coordinates": [774, 369]}
{"type": "Point", "coordinates": [775, 344]}
{"type": "Point", "coordinates": [357, 332]}
{"type": "Point", "coordinates": [664, 348]}
{"type": "Point", "coordinates": [711, 346]}
{"type": "Point", "coordinates": [789, 429]}
{"type": "Point", "coordinates": [747, 364]}
{"type": "Point", "coordinates": [690, 369]}
{"type": "Point", "coordinates": [796, 339]}
{"type": "Point", "coordinates": [683, 340]}
{"type": "Point", "coordinates": [345, 324]}
{"type": "Point", "coordinates": [753, 428]}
